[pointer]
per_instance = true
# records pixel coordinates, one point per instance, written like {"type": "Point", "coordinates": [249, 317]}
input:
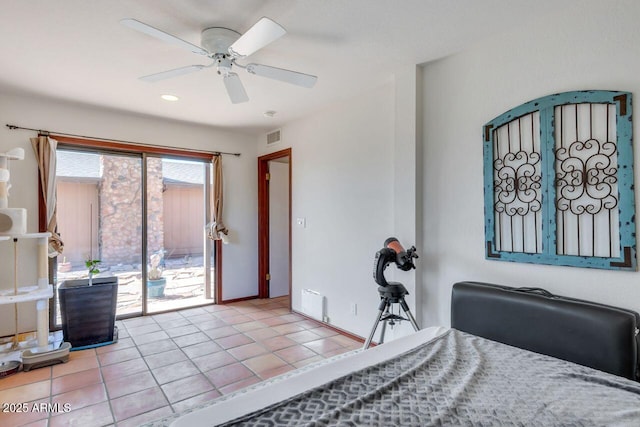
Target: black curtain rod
{"type": "Point", "coordinates": [47, 133]}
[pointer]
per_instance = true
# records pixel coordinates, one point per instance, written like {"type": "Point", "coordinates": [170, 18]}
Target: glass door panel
{"type": "Point", "coordinates": [99, 201]}
{"type": "Point", "coordinates": [178, 255]}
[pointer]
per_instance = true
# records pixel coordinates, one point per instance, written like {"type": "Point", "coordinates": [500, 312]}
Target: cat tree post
{"type": "Point", "coordinates": [42, 306]}
{"type": "Point", "coordinates": [4, 181]}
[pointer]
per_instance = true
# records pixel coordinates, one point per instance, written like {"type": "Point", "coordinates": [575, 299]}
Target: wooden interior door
{"type": "Point", "coordinates": [263, 220]}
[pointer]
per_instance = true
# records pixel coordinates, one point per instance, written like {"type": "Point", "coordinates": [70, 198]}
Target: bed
{"type": "Point", "coordinates": [511, 357]}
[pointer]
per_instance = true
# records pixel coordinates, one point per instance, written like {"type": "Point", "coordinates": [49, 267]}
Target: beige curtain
{"type": "Point", "coordinates": [45, 151]}
{"type": "Point", "coordinates": [216, 229]}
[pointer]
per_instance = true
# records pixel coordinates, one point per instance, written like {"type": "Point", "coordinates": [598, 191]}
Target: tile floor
{"type": "Point", "coordinates": [168, 362]}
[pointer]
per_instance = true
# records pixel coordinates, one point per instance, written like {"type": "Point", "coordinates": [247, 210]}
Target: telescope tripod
{"type": "Point", "coordinates": [393, 293]}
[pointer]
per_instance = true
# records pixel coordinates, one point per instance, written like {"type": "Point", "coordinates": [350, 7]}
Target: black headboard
{"type": "Point", "coordinates": [591, 334]}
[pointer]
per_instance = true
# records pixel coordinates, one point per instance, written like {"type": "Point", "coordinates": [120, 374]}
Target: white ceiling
{"type": "Point", "coordinates": [77, 50]}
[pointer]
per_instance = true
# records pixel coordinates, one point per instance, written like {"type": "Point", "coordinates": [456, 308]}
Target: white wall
{"type": "Point", "coordinates": [239, 174]}
{"type": "Point", "coordinates": [594, 48]}
{"type": "Point", "coordinates": [342, 178]}
{"type": "Point", "coordinates": [407, 185]}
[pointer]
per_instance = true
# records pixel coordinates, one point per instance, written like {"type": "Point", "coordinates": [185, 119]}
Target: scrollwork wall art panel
{"type": "Point", "coordinates": [517, 185]}
{"type": "Point", "coordinates": [558, 181]}
{"type": "Point", "coordinates": [586, 180]}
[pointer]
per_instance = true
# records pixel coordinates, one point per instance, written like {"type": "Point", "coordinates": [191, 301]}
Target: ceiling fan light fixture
{"type": "Point", "coordinates": [170, 98]}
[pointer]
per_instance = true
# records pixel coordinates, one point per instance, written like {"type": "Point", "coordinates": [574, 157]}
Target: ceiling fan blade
{"type": "Point", "coordinates": [151, 78]}
{"type": "Point", "coordinates": [161, 35]}
{"type": "Point", "coordinates": [288, 76]}
{"type": "Point", "coordinates": [235, 89]}
{"type": "Point", "coordinates": [261, 34]}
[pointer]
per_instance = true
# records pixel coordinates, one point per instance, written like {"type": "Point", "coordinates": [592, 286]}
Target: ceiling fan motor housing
{"type": "Point", "coordinates": [223, 64]}
{"type": "Point", "coordinates": [217, 39]}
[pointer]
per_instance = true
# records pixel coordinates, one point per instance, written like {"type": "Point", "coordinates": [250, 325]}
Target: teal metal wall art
{"type": "Point", "coordinates": [558, 182]}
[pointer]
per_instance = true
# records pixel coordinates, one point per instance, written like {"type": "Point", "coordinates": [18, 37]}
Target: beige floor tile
{"type": "Point", "coordinates": [150, 337]}
{"type": "Point", "coordinates": [79, 354]}
{"type": "Point", "coordinates": [138, 403]}
{"type": "Point", "coordinates": [278, 342]}
{"type": "Point", "coordinates": [213, 361]}
{"type": "Point", "coordinates": [276, 371]}
{"type": "Point", "coordinates": [130, 384]}
{"type": "Point", "coordinates": [181, 330]}
{"type": "Point", "coordinates": [240, 384]}
{"type": "Point", "coordinates": [25, 415]}
{"type": "Point", "coordinates": [174, 371]}
{"type": "Point", "coordinates": [123, 369]}
{"type": "Point", "coordinates": [166, 358]}
{"type": "Point", "coordinates": [264, 363]}
{"type": "Point", "coordinates": [144, 329]}
{"type": "Point", "coordinates": [233, 341]}
{"type": "Point", "coordinates": [76, 365]}
{"type": "Point", "coordinates": [201, 349]}
{"type": "Point", "coordinates": [323, 346]}
{"type": "Point", "coordinates": [247, 351]}
{"type": "Point", "coordinates": [26, 392]}
{"type": "Point", "coordinates": [303, 336]}
{"type": "Point", "coordinates": [94, 415]}
{"type": "Point", "coordinates": [146, 417]}
{"type": "Point", "coordinates": [191, 339]}
{"type": "Point", "coordinates": [195, 400]}
{"type": "Point", "coordinates": [79, 398]}
{"type": "Point", "coordinates": [23, 378]}
{"type": "Point", "coordinates": [75, 381]}
{"type": "Point", "coordinates": [295, 353]}
{"type": "Point", "coordinates": [120, 345]}
{"type": "Point", "coordinates": [172, 361]}
{"type": "Point", "coordinates": [229, 374]}
{"type": "Point", "coordinates": [185, 388]}
{"type": "Point", "coordinates": [156, 347]}
{"type": "Point", "coordinates": [118, 356]}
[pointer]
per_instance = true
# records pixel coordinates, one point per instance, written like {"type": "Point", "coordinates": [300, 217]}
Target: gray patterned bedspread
{"type": "Point", "coordinates": [461, 379]}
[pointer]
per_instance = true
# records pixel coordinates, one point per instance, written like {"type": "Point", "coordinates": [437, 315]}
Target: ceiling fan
{"type": "Point", "coordinates": [224, 47]}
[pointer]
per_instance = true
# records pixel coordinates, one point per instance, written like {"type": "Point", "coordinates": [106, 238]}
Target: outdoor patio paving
{"type": "Point", "coordinates": [184, 288]}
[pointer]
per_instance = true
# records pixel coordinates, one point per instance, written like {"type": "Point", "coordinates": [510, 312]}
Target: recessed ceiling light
{"type": "Point", "coordinates": [269, 113]}
{"type": "Point", "coordinates": [169, 97]}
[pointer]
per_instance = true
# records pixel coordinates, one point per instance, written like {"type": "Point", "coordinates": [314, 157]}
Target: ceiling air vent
{"type": "Point", "coordinates": [273, 137]}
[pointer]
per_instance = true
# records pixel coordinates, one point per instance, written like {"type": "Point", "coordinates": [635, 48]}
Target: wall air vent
{"type": "Point", "coordinates": [273, 137]}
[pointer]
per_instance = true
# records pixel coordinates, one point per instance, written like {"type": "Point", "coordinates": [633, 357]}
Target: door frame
{"type": "Point", "coordinates": [263, 220]}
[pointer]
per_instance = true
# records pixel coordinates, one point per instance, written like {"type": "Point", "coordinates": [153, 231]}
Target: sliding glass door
{"type": "Point", "coordinates": [143, 217]}
{"type": "Point", "coordinates": [177, 262]}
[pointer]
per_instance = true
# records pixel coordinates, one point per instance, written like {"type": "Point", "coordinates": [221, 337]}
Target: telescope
{"type": "Point", "coordinates": [393, 251]}
{"type": "Point", "coordinates": [391, 292]}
